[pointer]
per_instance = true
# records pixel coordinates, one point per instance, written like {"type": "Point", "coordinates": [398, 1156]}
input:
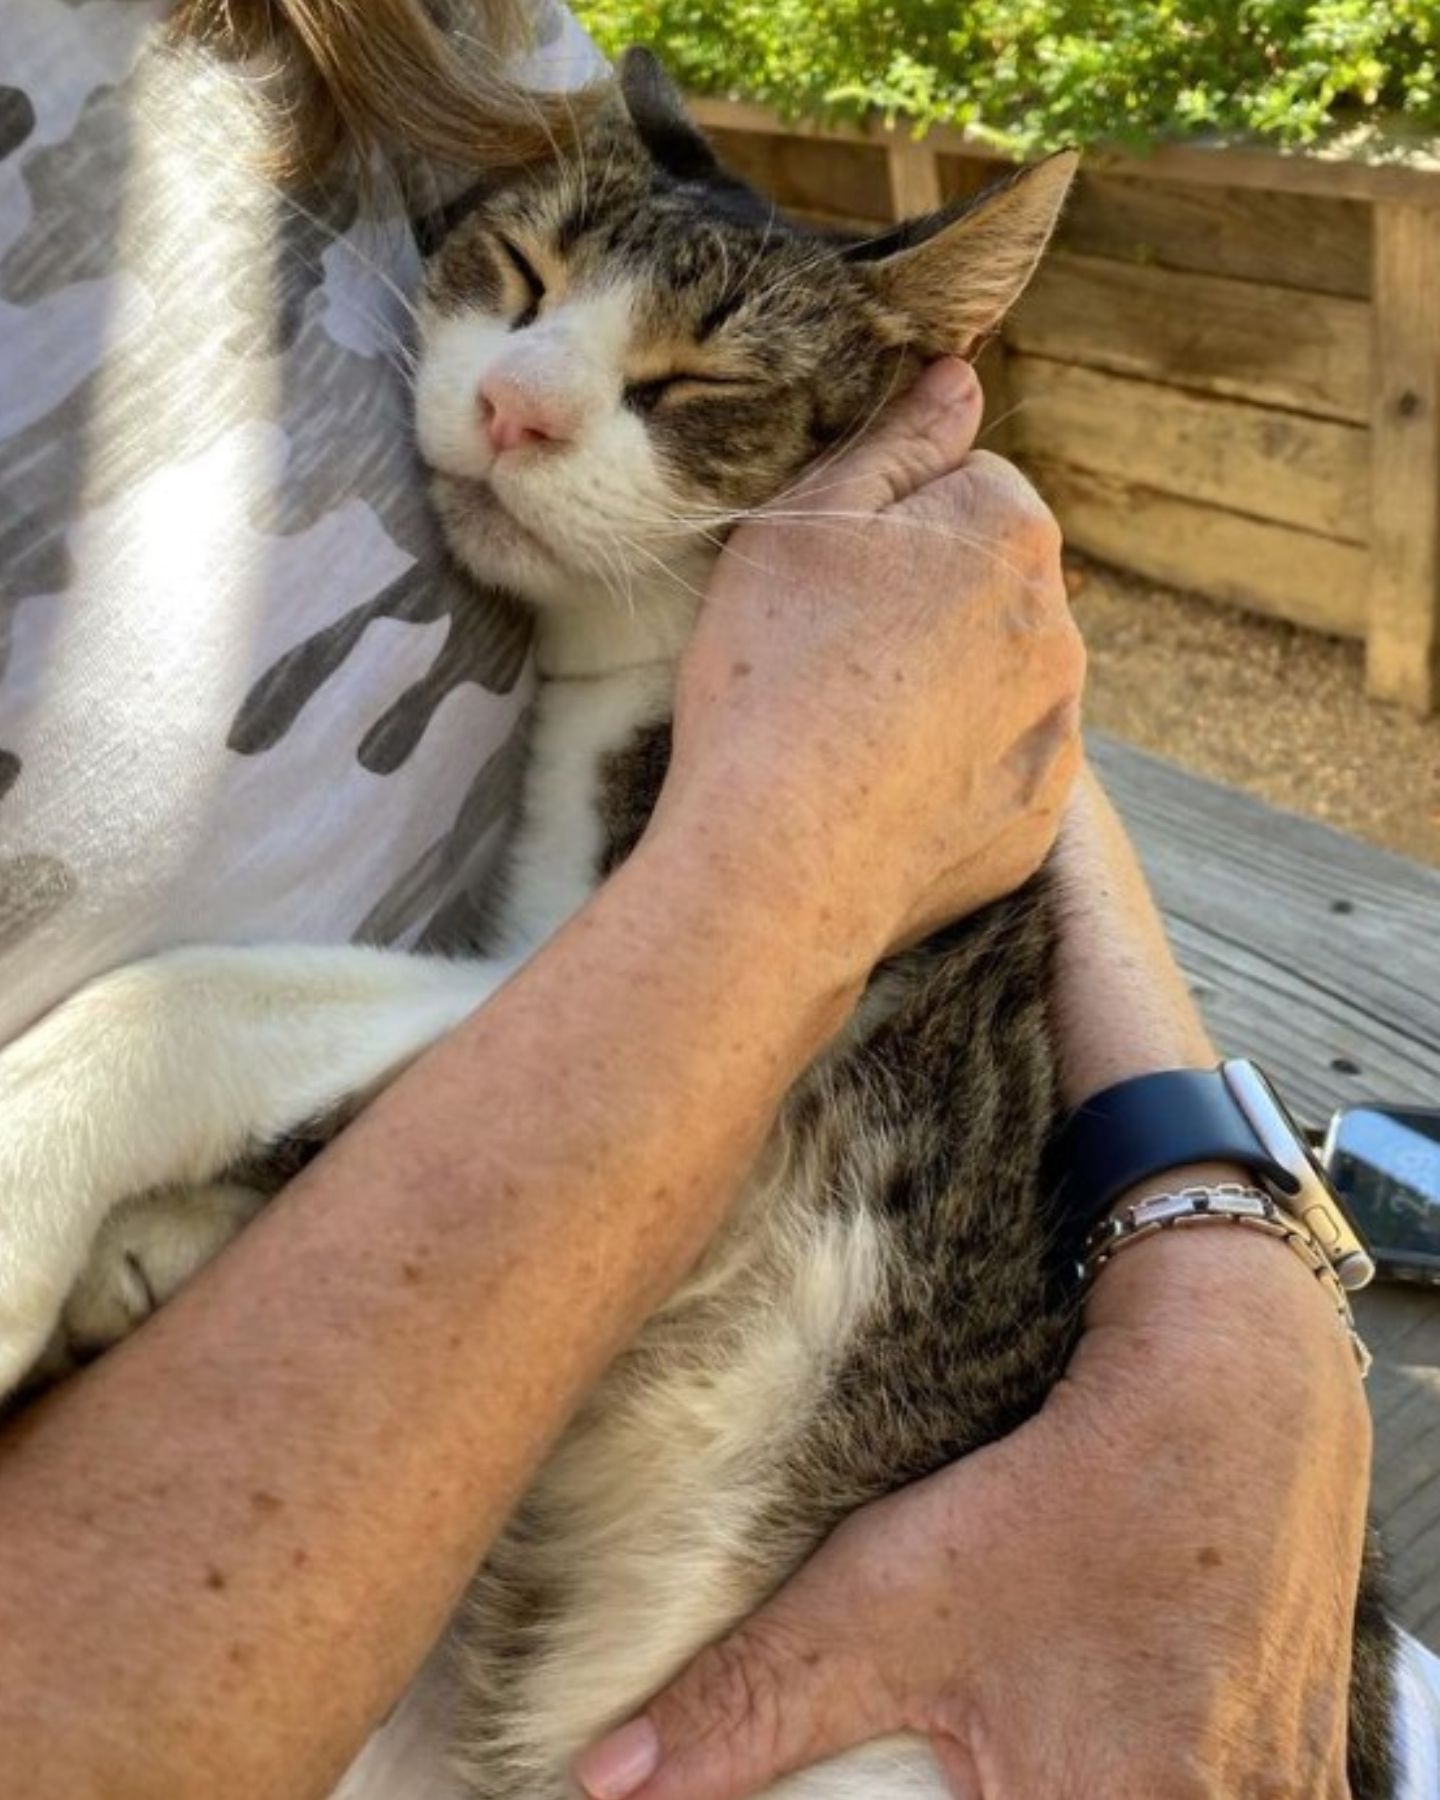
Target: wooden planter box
{"type": "Point", "coordinates": [1227, 375]}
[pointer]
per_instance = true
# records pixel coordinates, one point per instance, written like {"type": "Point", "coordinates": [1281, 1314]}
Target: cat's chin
{"type": "Point", "coordinates": [493, 546]}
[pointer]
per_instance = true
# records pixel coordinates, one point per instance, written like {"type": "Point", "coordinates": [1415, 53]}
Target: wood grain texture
{"type": "Point", "coordinates": [1250, 896]}
{"type": "Point", "coordinates": [992, 365]}
{"type": "Point", "coordinates": [1402, 1327]}
{"type": "Point", "coordinates": [1319, 948]}
{"type": "Point", "coordinates": [1308, 353]}
{"type": "Point", "coordinates": [1254, 563]}
{"type": "Point", "coordinates": [848, 180]}
{"type": "Point", "coordinates": [914, 179]}
{"type": "Point", "coordinates": [1403, 642]}
{"type": "Point", "coordinates": [962, 177]}
{"type": "Point", "coordinates": [1301, 241]}
{"type": "Point", "coordinates": [1270, 464]}
{"type": "Point", "coordinates": [1368, 164]}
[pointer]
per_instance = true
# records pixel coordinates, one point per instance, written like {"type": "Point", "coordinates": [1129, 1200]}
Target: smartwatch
{"type": "Point", "coordinates": [1138, 1129]}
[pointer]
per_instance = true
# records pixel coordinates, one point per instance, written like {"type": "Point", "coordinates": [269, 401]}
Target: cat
{"type": "Point", "coordinates": [621, 355]}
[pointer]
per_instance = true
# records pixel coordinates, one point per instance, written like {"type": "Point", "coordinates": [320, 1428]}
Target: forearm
{"type": "Point", "coordinates": [225, 1549]}
{"type": "Point", "coordinates": [1124, 1010]}
{"type": "Point", "coordinates": [1122, 1004]}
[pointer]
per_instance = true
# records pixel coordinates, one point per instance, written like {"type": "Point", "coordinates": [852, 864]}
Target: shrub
{"type": "Point", "coordinates": [1032, 74]}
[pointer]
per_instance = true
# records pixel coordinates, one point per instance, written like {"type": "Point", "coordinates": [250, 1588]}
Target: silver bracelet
{"type": "Point", "coordinates": [1226, 1204]}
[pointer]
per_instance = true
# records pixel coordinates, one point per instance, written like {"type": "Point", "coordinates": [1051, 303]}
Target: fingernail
{"type": "Point", "coordinates": [620, 1763]}
{"type": "Point", "coordinates": [949, 382]}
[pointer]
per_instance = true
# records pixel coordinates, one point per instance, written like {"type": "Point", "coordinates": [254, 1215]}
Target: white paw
{"type": "Point", "coordinates": [28, 1334]}
{"type": "Point", "coordinates": [146, 1250]}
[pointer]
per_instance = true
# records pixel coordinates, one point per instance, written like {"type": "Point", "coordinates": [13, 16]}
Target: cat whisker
{"type": "Point", "coordinates": [992, 425]}
{"type": "Point", "coordinates": [756, 255]}
{"type": "Point", "coordinates": [681, 525]}
{"type": "Point", "coordinates": [904, 521]}
{"type": "Point", "coordinates": [637, 548]}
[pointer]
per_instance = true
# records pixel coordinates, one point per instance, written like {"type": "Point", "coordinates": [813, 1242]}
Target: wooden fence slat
{"type": "Point", "coordinates": [1269, 568]}
{"type": "Point", "coordinates": [1370, 165]}
{"type": "Point", "coordinates": [1314, 473]}
{"type": "Point", "coordinates": [1307, 352]}
{"type": "Point", "coordinates": [1403, 644]}
{"type": "Point", "coordinates": [841, 180]}
{"type": "Point", "coordinates": [1285, 240]}
{"type": "Point", "coordinates": [914, 178]}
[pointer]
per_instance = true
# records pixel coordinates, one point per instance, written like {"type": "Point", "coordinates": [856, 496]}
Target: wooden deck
{"type": "Point", "coordinates": [1320, 957]}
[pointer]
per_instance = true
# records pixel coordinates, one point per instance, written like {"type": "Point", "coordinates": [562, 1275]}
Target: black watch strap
{"type": "Point", "coordinates": [1138, 1129]}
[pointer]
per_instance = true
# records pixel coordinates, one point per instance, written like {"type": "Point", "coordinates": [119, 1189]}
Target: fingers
{"type": "Point", "coordinates": [756, 1706]}
{"type": "Point", "coordinates": [923, 436]}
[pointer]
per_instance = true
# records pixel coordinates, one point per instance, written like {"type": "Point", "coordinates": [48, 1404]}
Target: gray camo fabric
{"type": "Point", "coordinates": [242, 692]}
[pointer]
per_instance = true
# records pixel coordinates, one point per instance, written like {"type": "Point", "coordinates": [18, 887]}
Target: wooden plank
{"type": "Point", "coordinates": [1305, 1034]}
{"type": "Point", "coordinates": [1318, 948]}
{"type": "Point", "coordinates": [1366, 164]}
{"type": "Point", "coordinates": [1250, 894]}
{"type": "Point", "coordinates": [1315, 243]}
{"type": "Point", "coordinates": [1402, 1327]}
{"type": "Point", "coordinates": [914, 179]}
{"type": "Point", "coordinates": [1314, 473]}
{"type": "Point", "coordinates": [1309, 353]}
{"type": "Point", "coordinates": [851, 180]}
{"type": "Point", "coordinates": [962, 177]}
{"type": "Point", "coordinates": [1403, 642]}
{"type": "Point", "coordinates": [832, 222]}
{"type": "Point", "coordinates": [992, 365]}
{"type": "Point", "coordinates": [1254, 563]}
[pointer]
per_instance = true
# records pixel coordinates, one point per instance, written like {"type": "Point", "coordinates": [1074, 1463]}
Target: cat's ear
{"type": "Point", "coordinates": [954, 274]}
{"type": "Point", "coordinates": [661, 123]}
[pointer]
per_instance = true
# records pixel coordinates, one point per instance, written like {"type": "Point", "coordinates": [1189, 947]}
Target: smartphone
{"type": "Point", "coordinates": [1385, 1164]}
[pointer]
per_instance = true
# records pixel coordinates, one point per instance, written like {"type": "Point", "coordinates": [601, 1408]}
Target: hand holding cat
{"type": "Point", "coordinates": [1102, 1604]}
{"type": "Point", "coordinates": [1096, 1605]}
{"type": "Point", "coordinates": [887, 673]}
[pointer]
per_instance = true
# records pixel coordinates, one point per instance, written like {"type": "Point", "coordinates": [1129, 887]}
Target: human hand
{"type": "Point", "coordinates": [884, 683]}
{"type": "Point", "coordinates": [1147, 1589]}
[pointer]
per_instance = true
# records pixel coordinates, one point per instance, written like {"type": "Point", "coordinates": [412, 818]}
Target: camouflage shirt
{"type": "Point", "coordinates": [242, 694]}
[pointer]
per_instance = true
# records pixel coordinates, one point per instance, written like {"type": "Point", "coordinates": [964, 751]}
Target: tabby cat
{"type": "Point", "coordinates": [619, 356]}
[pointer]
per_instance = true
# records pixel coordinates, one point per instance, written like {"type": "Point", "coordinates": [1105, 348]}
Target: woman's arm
{"type": "Point", "coordinates": [1148, 1588]}
{"type": "Point", "coordinates": [225, 1549]}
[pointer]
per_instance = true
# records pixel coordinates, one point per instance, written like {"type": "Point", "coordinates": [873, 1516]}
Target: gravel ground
{"type": "Point", "coordinates": [1267, 707]}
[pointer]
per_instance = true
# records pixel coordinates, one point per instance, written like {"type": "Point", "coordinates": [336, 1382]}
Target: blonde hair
{"type": "Point", "coordinates": [424, 78]}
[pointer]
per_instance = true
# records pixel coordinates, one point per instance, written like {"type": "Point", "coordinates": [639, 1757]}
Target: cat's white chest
{"type": "Point", "coordinates": [555, 860]}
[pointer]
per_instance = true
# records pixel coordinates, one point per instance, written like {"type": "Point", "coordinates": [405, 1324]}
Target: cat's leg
{"type": "Point", "coordinates": [162, 1074]}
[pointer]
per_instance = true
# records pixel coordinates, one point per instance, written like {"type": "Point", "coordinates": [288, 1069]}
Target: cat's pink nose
{"type": "Point", "coordinates": [513, 416]}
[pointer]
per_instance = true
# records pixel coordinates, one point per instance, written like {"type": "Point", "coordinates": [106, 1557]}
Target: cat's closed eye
{"type": "Point", "coordinates": [530, 276]}
{"type": "Point", "coordinates": [645, 396]}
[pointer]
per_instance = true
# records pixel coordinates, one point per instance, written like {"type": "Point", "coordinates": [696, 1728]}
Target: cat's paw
{"type": "Point", "coordinates": [28, 1333]}
{"type": "Point", "coordinates": [144, 1252]}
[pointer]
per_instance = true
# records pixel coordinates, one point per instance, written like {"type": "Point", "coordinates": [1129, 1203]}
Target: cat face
{"type": "Point", "coordinates": [622, 354]}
